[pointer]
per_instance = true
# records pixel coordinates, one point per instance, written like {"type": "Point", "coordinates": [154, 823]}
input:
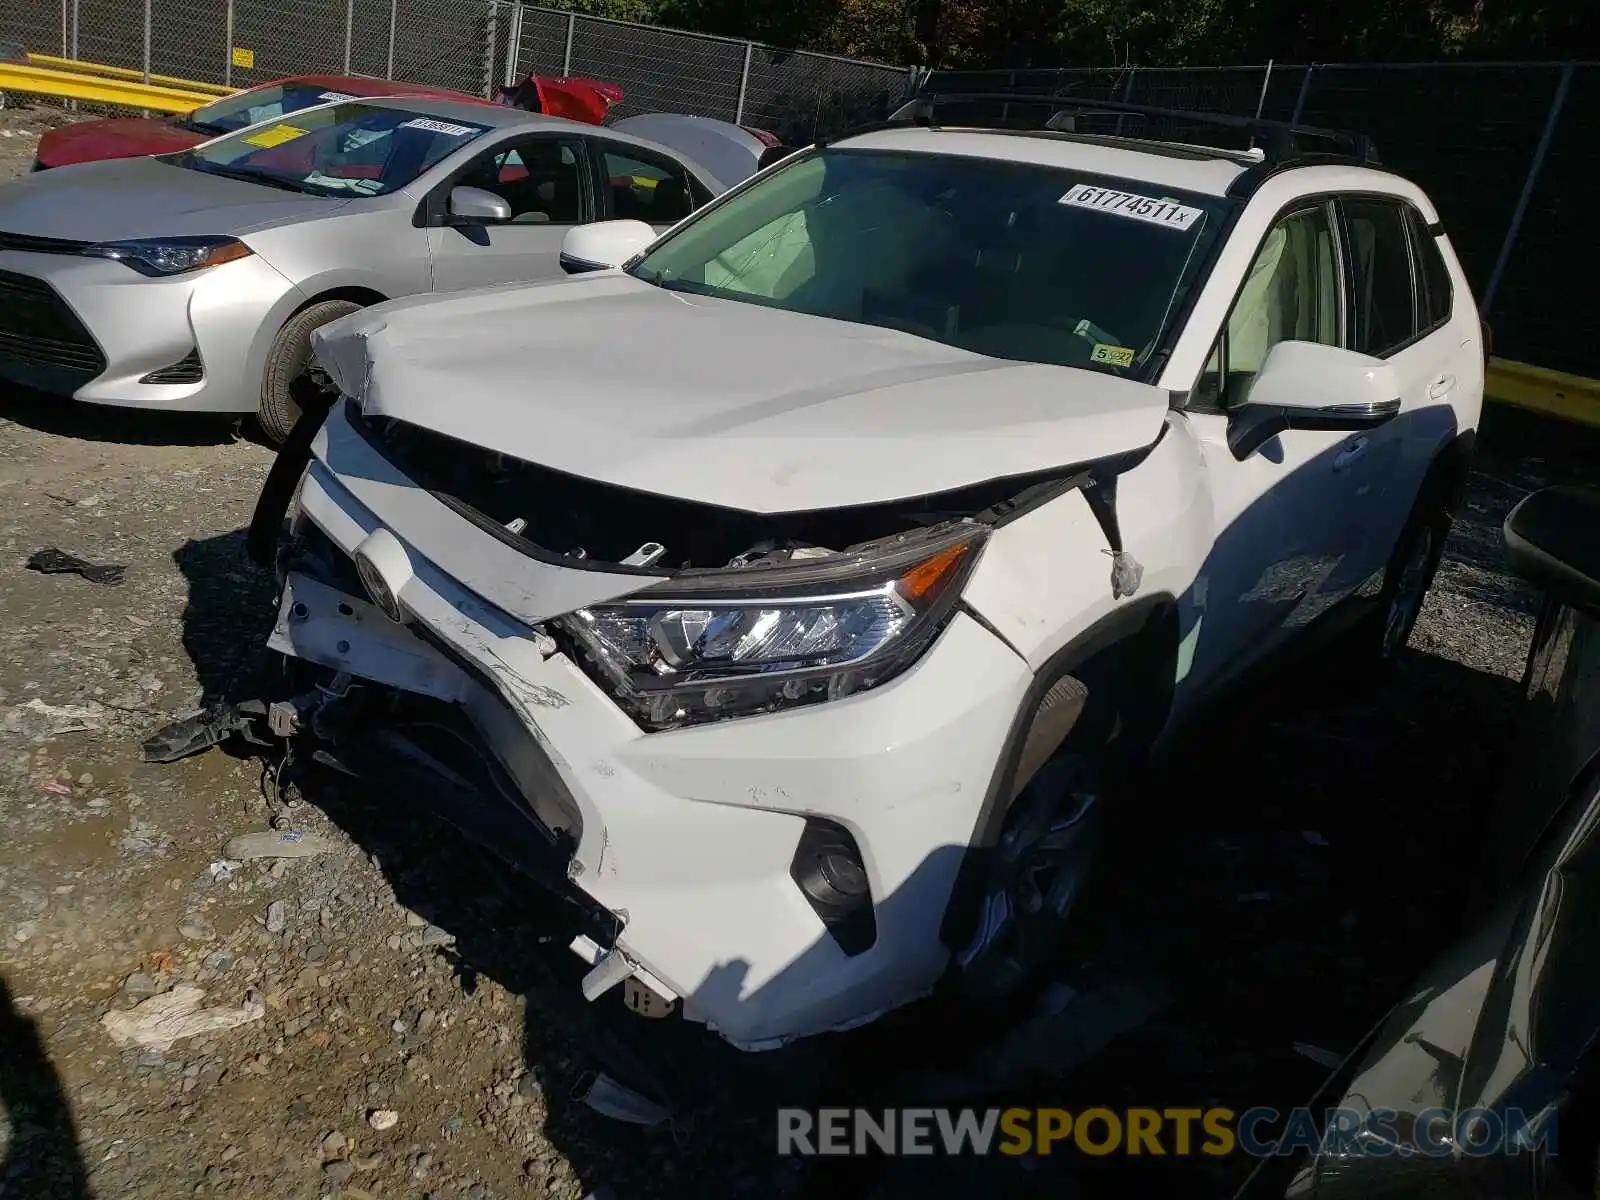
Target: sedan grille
{"type": "Point", "coordinates": [29, 244]}
{"type": "Point", "coordinates": [39, 329]}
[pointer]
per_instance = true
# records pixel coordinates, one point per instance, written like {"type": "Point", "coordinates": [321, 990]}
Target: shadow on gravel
{"type": "Point", "coordinates": [227, 616]}
{"type": "Point", "coordinates": [42, 1161]}
{"type": "Point", "coordinates": [63, 417]}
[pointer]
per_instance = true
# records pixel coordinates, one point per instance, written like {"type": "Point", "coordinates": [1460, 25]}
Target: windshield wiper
{"type": "Point", "coordinates": [272, 181]}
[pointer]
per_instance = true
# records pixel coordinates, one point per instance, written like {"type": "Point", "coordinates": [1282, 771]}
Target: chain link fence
{"type": "Point", "coordinates": [1506, 151]}
{"type": "Point", "coordinates": [469, 45]}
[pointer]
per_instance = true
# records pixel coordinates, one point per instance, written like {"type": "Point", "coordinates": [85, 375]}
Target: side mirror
{"type": "Point", "coordinates": [1550, 541]}
{"type": "Point", "coordinates": [1305, 385]}
{"type": "Point", "coordinates": [602, 245]}
{"type": "Point", "coordinates": [474, 206]}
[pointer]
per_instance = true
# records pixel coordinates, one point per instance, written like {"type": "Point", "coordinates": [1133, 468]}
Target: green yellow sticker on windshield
{"type": "Point", "coordinates": [1116, 356]}
{"type": "Point", "coordinates": [277, 135]}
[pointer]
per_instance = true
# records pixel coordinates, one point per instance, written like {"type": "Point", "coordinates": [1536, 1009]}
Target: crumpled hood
{"type": "Point", "coordinates": [144, 197]}
{"type": "Point", "coordinates": [722, 402]}
{"type": "Point", "coordinates": [113, 137]}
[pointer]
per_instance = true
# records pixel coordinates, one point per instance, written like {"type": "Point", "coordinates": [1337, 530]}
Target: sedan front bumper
{"type": "Point", "coordinates": [688, 836]}
{"type": "Point", "coordinates": [100, 332]}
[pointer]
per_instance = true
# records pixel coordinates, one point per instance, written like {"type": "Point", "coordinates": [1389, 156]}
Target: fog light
{"type": "Point", "coordinates": [385, 568]}
{"type": "Point", "coordinates": [828, 869]}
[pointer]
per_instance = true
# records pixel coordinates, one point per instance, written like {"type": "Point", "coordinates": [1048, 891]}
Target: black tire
{"type": "Point", "coordinates": [1039, 865]}
{"type": "Point", "coordinates": [282, 383]}
{"type": "Point", "coordinates": [1373, 647]}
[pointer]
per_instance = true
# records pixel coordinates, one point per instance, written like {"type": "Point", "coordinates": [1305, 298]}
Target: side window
{"type": "Point", "coordinates": [1437, 293]}
{"type": "Point", "coordinates": [1290, 293]}
{"type": "Point", "coordinates": [646, 188]}
{"type": "Point", "coordinates": [540, 178]}
{"type": "Point", "coordinates": [1381, 276]}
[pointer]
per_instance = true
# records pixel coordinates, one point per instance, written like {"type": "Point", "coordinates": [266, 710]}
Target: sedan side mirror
{"type": "Point", "coordinates": [474, 206]}
{"type": "Point", "coordinates": [603, 245]}
{"type": "Point", "coordinates": [1306, 385]}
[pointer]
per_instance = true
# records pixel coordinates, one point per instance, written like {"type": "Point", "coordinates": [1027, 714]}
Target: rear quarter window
{"type": "Point", "coordinates": [1437, 294]}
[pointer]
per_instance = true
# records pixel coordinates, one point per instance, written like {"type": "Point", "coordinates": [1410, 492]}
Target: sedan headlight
{"type": "Point", "coordinates": [729, 643]}
{"type": "Point", "coordinates": [171, 256]}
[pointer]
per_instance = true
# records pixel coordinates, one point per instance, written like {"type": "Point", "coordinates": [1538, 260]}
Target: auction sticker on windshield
{"type": "Point", "coordinates": [1128, 204]}
{"type": "Point", "coordinates": [444, 127]}
{"type": "Point", "coordinates": [276, 136]}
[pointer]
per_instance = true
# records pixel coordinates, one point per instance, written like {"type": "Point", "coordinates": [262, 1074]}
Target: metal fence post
{"type": "Point", "coordinates": [66, 45]}
{"type": "Point", "coordinates": [1528, 184]}
{"type": "Point", "coordinates": [1305, 90]}
{"type": "Point", "coordinates": [566, 59]}
{"type": "Point", "coordinates": [744, 84]}
{"type": "Point", "coordinates": [147, 41]}
{"type": "Point", "coordinates": [491, 31]}
{"type": "Point", "coordinates": [227, 51]}
{"type": "Point", "coordinates": [1266, 82]}
{"type": "Point", "coordinates": [394, 13]}
{"type": "Point", "coordinates": [513, 46]}
{"type": "Point", "coordinates": [349, 27]}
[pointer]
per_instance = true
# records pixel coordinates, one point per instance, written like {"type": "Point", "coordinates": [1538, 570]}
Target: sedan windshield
{"type": "Point", "coordinates": [337, 150]}
{"type": "Point", "coordinates": [1006, 259]}
{"type": "Point", "coordinates": [260, 104]}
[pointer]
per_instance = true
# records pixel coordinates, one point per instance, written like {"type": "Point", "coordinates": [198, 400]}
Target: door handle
{"type": "Point", "coordinates": [1349, 454]}
{"type": "Point", "coordinates": [1441, 387]}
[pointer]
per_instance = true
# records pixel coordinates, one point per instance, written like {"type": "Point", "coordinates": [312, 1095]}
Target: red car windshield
{"type": "Point", "coordinates": [351, 149]}
{"type": "Point", "coordinates": [260, 104]}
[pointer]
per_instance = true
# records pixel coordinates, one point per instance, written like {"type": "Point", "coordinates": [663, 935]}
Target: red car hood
{"type": "Point", "coordinates": [115, 137]}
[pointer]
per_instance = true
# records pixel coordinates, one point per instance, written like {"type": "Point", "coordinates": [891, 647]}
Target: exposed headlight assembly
{"type": "Point", "coordinates": [728, 643]}
{"type": "Point", "coordinates": [158, 257]}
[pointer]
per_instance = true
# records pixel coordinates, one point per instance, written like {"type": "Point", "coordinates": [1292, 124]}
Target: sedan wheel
{"type": "Point", "coordinates": [291, 377]}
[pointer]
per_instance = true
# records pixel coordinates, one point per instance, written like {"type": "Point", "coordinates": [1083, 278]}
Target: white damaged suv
{"type": "Point", "coordinates": [796, 588]}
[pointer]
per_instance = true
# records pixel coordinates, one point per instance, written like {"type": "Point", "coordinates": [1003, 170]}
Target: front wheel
{"type": "Point", "coordinates": [1036, 872]}
{"type": "Point", "coordinates": [290, 376]}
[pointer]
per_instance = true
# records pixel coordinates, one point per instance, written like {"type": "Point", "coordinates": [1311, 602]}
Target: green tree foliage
{"type": "Point", "coordinates": [1019, 33]}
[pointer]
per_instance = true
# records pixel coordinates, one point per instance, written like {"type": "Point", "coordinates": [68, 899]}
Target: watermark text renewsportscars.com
{"type": "Point", "coordinates": [1212, 1132]}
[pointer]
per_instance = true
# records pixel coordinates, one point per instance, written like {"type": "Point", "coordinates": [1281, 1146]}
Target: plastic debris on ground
{"type": "Point", "coordinates": [289, 843]}
{"type": "Point", "coordinates": [611, 1099]}
{"type": "Point", "coordinates": [50, 561]}
{"type": "Point", "coordinates": [35, 718]}
{"type": "Point", "coordinates": [204, 729]}
{"type": "Point", "coordinates": [162, 1021]}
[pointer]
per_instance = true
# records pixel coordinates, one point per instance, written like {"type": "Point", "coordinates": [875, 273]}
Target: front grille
{"type": "Point", "coordinates": [187, 369]}
{"type": "Point", "coordinates": [39, 329]}
{"type": "Point", "coordinates": [29, 244]}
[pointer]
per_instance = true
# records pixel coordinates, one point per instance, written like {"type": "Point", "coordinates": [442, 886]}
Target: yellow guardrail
{"type": "Point", "coordinates": [75, 85]}
{"type": "Point", "coordinates": [51, 62]}
{"type": "Point", "coordinates": [1541, 390]}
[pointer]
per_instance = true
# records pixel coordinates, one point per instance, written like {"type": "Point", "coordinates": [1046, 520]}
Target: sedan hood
{"type": "Point", "coordinates": [144, 197]}
{"type": "Point", "coordinates": [723, 402]}
{"type": "Point", "coordinates": [114, 137]}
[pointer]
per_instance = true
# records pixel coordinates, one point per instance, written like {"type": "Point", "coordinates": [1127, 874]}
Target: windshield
{"type": "Point", "coordinates": [1006, 259]}
{"type": "Point", "coordinates": [260, 104]}
{"type": "Point", "coordinates": [338, 150]}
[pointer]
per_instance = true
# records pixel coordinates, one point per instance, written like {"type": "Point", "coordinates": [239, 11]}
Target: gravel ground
{"type": "Point", "coordinates": [409, 1018]}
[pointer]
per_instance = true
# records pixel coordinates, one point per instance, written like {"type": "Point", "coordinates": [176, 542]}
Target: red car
{"type": "Point", "coordinates": [128, 137]}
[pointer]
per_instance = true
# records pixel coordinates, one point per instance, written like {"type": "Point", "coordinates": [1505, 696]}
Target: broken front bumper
{"type": "Point", "coordinates": [688, 836]}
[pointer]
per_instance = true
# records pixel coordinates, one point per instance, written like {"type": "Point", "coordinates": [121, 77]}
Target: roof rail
{"type": "Point", "coordinates": [1280, 141]}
